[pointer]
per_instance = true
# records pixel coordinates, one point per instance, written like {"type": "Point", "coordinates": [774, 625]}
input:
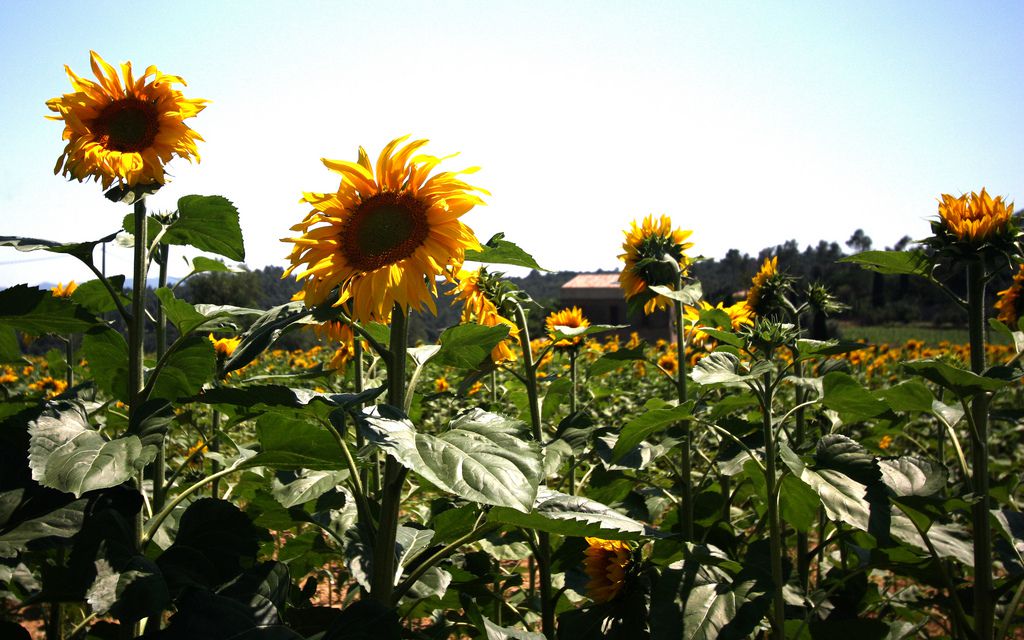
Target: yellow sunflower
{"type": "Point", "coordinates": [60, 291]}
{"type": "Point", "coordinates": [383, 238]}
{"type": "Point", "coordinates": [669, 362]}
{"type": "Point", "coordinates": [572, 318]}
{"type": "Point", "coordinates": [606, 563]}
{"type": "Point", "coordinates": [647, 249]}
{"type": "Point", "coordinates": [337, 331]}
{"type": "Point", "coordinates": [51, 386]}
{"type": "Point", "coordinates": [768, 269]}
{"type": "Point", "coordinates": [224, 346]}
{"type": "Point", "coordinates": [478, 308]}
{"type": "Point", "coordinates": [975, 217]}
{"type": "Point", "coordinates": [124, 132]}
{"type": "Point", "coordinates": [1010, 304]}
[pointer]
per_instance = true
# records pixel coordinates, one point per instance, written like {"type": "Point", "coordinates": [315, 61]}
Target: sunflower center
{"type": "Point", "coordinates": [127, 125]}
{"type": "Point", "coordinates": [384, 229]}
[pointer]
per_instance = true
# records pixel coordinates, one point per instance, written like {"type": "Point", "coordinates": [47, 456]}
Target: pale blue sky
{"type": "Point", "coordinates": [750, 123]}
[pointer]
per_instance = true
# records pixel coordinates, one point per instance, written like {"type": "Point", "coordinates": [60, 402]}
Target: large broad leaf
{"type": "Point", "coordinates": [695, 601]}
{"type": "Point", "coordinates": [203, 317]}
{"type": "Point", "coordinates": [36, 311]}
{"type": "Point", "coordinates": [845, 395]}
{"type": "Point", "coordinates": [496, 632]}
{"type": "Point", "coordinates": [467, 345]}
{"type": "Point", "coordinates": [295, 443]}
{"type": "Point", "coordinates": [562, 332]}
{"type": "Point", "coordinates": [482, 457]}
{"type": "Point", "coordinates": [10, 350]}
{"type": "Point", "coordinates": [81, 250]}
{"type": "Point", "coordinates": [643, 426]}
{"type": "Point", "coordinates": [909, 476]}
{"type": "Point", "coordinates": [960, 381]}
{"type": "Point", "coordinates": [615, 359]}
{"type": "Point", "coordinates": [566, 515]}
{"type": "Point", "coordinates": [892, 262]}
{"type": "Point", "coordinates": [129, 590]}
{"type": "Point", "coordinates": [188, 367]}
{"type": "Point", "coordinates": [726, 369]}
{"type": "Point", "coordinates": [263, 332]}
{"type": "Point", "coordinates": [107, 354]}
{"type": "Point", "coordinates": [689, 295]}
{"type": "Point", "coordinates": [66, 453]}
{"type": "Point", "coordinates": [96, 299]}
{"type": "Point", "coordinates": [21, 522]}
{"type": "Point", "coordinates": [822, 348]}
{"type": "Point", "coordinates": [209, 223]}
{"type": "Point", "coordinates": [306, 486]}
{"type": "Point", "coordinates": [909, 395]}
{"type": "Point", "coordinates": [497, 250]}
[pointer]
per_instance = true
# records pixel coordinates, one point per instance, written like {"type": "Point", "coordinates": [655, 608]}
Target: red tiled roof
{"type": "Point", "coordinates": [593, 281]}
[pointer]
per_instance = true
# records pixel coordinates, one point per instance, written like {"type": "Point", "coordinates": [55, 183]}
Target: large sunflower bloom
{"type": "Point", "coordinates": [478, 308]}
{"type": "Point", "coordinates": [646, 247]}
{"type": "Point", "coordinates": [606, 563]}
{"type": "Point", "coordinates": [383, 238]}
{"type": "Point", "coordinates": [572, 318]}
{"type": "Point", "coordinates": [768, 269]}
{"type": "Point", "coordinates": [975, 217]}
{"type": "Point", "coordinates": [124, 132]}
{"type": "Point", "coordinates": [1010, 304]}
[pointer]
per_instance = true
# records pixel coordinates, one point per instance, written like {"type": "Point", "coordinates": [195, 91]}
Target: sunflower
{"type": "Point", "coordinates": [606, 563]}
{"type": "Point", "coordinates": [651, 248]}
{"type": "Point", "coordinates": [1010, 304]}
{"type": "Point", "coordinates": [669, 363]}
{"type": "Point", "coordinates": [224, 346]}
{"type": "Point", "coordinates": [975, 217]}
{"type": "Point", "coordinates": [441, 384]}
{"type": "Point", "coordinates": [769, 268]}
{"type": "Point", "coordinates": [51, 386]}
{"type": "Point", "coordinates": [60, 291]}
{"type": "Point", "coordinates": [7, 375]}
{"type": "Point", "coordinates": [195, 454]}
{"type": "Point", "coordinates": [572, 318]}
{"type": "Point", "coordinates": [124, 132]}
{"type": "Point", "coordinates": [471, 288]}
{"type": "Point", "coordinates": [341, 333]}
{"type": "Point", "coordinates": [382, 239]}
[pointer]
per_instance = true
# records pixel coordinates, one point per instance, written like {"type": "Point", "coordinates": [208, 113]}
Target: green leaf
{"type": "Point", "coordinates": [107, 354]}
{"type": "Point", "coordinates": [563, 332]}
{"type": "Point", "coordinates": [379, 332]}
{"type": "Point", "coordinates": [482, 457]}
{"type": "Point", "coordinates": [309, 485]}
{"type": "Point", "coordinates": [909, 395]}
{"type": "Point", "coordinates": [94, 297]}
{"type": "Point", "coordinates": [467, 345]}
{"type": "Point", "coordinates": [81, 250]}
{"type": "Point", "coordinates": [10, 350]}
{"type": "Point", "coordinates": [561, 514]}
{"type": "Point", "coordinates": [689, 295]}
{"type": "Point", "coordinates": [497, 250]}
{"type": "Point", "coordinates": [892, 262]}
{"type": "Point", "coordinates": [615, 359]}
{"type": "Point", "coordinates": [725, 337]}
{"type": "Point", "coordinates": [845, 395]}
{"type": "Point", "coordinates": [263, 332]}
{"type": "Point", "coordinates": [67, 454]}
{"type": "Point", "coordinates": [36, 311]}
{"type": "Point", "coordinates": [295, 443]}
{"type": "Point", "coordinates": [910, 476]}
{"type": "Point", "coordinates": [181, 314]}
{"type": "Point", "coordinates": [495, 632]}
{"type": "Point", "coordinates": [960, 381]}
{"type": "Point", "coordinates": [208, 223]}
{"type": "Point", "coordinates": [725, 369]}
{"type": "Point", "coordinates": [798, 503]}
{"type": "Point", "coordinates": [187, 369]}
{"type": "Point", "coordinates": [643, 426]}
{"type": "Point", "coordinates": [823, 348]}
{"type": "Point", "coordinates": [202, 264]}
{"type": "Point", "coordinates": [215, 541]}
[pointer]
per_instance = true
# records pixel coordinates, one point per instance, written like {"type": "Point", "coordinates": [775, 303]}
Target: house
{"type": "Point", "coordinates": [602, 302]}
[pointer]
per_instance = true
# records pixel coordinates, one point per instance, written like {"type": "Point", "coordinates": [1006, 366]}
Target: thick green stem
{"type": "Point", "coordinates": [573, 400]}
{"type": "Point", "coordinates": [214, 446]}
{"type": "Point", "coordinates": [160, 465]}
{"type": "Point", "coordinates": [685, 464]}
{"type": "Point", "coordinates": [382, 586]}
{"type": "Point", "coordinates": [136, 331]}
{"type": "Point", "coordinates": [983, 609]}
{"type": "Point", "coordinates": [774, 524]}
{"type": "Point", "coordinates": [543, 551]}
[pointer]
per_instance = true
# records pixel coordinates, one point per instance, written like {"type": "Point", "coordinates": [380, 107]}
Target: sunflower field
{"type": "Point", "coordinates": [738, 479]}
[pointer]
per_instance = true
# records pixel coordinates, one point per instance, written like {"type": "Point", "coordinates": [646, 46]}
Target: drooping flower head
{"type": "Point", "coordinates": [124, 132]}
{"type": "Point", "coordinates": [654, 255]}
{"type": "Point", "coordinates": [340, 333]}
{"type": "Point", "coordinates": [60, 291]}
{"type": "Point", "coordinates": [606, 564]}
{"type": "Point", "coordinates": [1010, 305]}
{"type": "Point", "coordinates": [477, 289]}
{"type": "Point", "coordinates": [386, 234]}
{"type": "Point", "coordinates": [975, 217]}
{"type": "Point", "coordinates": [572, 318]}
{"type": "Point", "coordinates": [768, 289]}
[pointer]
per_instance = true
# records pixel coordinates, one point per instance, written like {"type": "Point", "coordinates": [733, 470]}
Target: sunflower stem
{"type": "Point", "coordinates": [572, 412]}
{"type": "Point", "coordinates": [543, 551]}
{"type": "Point", "coordinates": [774, 524]}
{"type": "Point", "coordinates": [983, 609]}
{"type": "Point", "coordinates": [136, 330]}
{"type": "Point", "coordinates": [382, 587]}
{"type": "Point", "coordinates": [160, 465]}
{"type": "Point", "coordinates": [685, 465]}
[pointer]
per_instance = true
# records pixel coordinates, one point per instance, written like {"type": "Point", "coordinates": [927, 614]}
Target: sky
{"type": "Point", "coordinates": [751, 123]}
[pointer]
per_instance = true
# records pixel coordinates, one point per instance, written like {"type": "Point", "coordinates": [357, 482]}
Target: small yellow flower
{"type": "Point", "coordinates": [194, 455]}
{"type": "Point", "coordinates": [124, 132]}
{"type": "Point", "coordinates": [441, 385]}
{"type": "Point", "coordinates": [224, 346]}
{"type": "Point", "coordinates": [478, 308]}
{"type": "Point", "coordinates": [475, 389]}
{"type": "Point", "coordinates": [8, 376]}
{"type": "Point", "coordinates": [669, 363]}
{"type": "Point", "coordinates": [1010, 304]}
{"type": "Point", "coordinates": [60, 291]}
{"type": "Point", "coordinates": [572, 318]}
{"type": "Point", "coordinates": [975, 217]}
{"type": "Point", "coordinates": [606, 563]}
{"type": "Point", "coordinates": [51, 386]}
{"type": "Point", "coordinates": [885, 442]}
